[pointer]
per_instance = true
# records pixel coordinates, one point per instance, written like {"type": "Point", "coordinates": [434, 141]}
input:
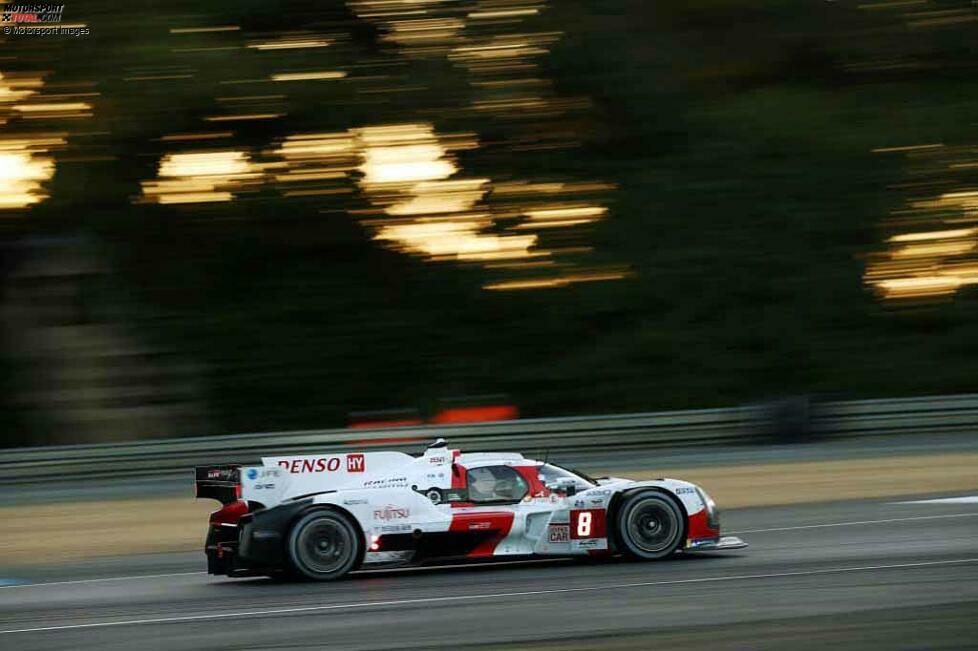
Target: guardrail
{"type": "Point", "coordinates": [939, 414]}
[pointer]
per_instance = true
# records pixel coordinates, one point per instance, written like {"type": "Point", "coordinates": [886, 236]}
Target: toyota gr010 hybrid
{"type": "Point", "coordinates": [322, 516]}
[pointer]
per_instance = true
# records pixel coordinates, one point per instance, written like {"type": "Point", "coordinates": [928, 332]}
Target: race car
{"type": "Point", "coordinates": [320, 517]}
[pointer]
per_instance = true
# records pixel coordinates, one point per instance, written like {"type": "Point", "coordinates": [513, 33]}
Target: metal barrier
{"type": "Point", "coordinates": [939, 414]}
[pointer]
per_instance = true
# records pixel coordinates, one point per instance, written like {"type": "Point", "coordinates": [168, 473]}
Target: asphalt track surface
{"type": "Point", "coordinates": [869, 574]}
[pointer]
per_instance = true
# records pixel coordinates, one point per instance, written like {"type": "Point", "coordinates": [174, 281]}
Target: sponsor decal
{"type": "Point", "coordinates": [355, 463]}
{"type": "Point", "coordinates": [222, 474]}
{"type": "Point", "coordinates": [388, 556]}
{"type": "Point", "coordinates": [587, 523]}
{"type": "Point", "coordinates": [437, 460]}
{"type": "Point", "coordinates": [579, 504]}
{"type": "Point", "coordinates": [322, 464]}
{"type": "Point", "coordinates": [261, 487]}
{"type": "Point", "coordinates": [391, 512]}
{"type": "Point", "coordinates": [479, 526]}
{"type": "Point", "coordinates": [596, 501]}
{"type": "Point", "coordinates": [589, 544]}
{"type": "Point", "coordinates": [355, 501]}
{"type": "Point", "coordinates": [394, 528]}
{"type": "Point", "coordinates": [391, 482]}
{"type": "Point", "coordinates": [252, 473]}
{"type": "Point", "coordinates": [700, 542]}
{"type": "Point", "coordinates": [685, 490]}
{"type": "Point", "coordinates": [558, 533]}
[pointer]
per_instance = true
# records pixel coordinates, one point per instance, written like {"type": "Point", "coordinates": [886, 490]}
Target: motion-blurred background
{"type": "Point", "coordinates": [254, 216]}
{"type": "Point", "coordinates": [267, 216]}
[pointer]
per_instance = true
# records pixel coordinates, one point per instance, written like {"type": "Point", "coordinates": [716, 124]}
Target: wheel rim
{"type": "Point", "coordinates": [324, 546]}
{"type": "Point", "coordinates": [652, 526]}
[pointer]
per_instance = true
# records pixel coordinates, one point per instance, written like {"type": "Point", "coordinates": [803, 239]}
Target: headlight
{"type": "Point", "coordinates": [712, 512]}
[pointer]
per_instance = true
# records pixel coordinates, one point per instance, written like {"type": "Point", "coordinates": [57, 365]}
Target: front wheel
{"type": "Point", "coordinates": [324, 545]}
{"type": "Point", "coordinates": [650, 526]}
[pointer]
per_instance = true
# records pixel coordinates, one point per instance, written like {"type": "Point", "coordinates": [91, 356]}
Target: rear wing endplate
{"type": "Point", "coordinates": [221, 483]}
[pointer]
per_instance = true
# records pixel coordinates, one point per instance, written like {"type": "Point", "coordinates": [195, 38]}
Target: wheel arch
{"type": "Point", "coordinates": [327, 506]}
{"type": "Point", "coordinates": [619, 498]}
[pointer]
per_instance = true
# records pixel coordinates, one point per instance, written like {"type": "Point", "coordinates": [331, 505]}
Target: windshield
{"type": "Point", "coordinates": [549, 472]}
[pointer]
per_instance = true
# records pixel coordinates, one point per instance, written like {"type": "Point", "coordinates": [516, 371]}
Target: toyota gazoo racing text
{"type": "Point", "coordinates": [322, 516]}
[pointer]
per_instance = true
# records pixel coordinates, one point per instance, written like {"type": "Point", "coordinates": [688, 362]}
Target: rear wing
{"type": "Point", "coordinates": [221, 483]}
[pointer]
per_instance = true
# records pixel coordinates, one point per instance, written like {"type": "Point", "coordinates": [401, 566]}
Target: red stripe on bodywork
{"type": "Point", "coordinates": [532, 477]}
{"type": "Point", "coordinates": [496, 523]}
{"type": "Point", "coordinates": [459, 481]}
{"type": "Point", "coordinates": [699, 528]}
{"type": "Point", "coordinates": [458, 476]}
{"type": "Point", "coordinates": [230, 514]}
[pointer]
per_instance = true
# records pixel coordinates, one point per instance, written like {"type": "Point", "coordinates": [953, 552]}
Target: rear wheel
{"type": "Point", "coordinates": [650, 526]}
{"type": "Point", "coordinates": [324, 545]}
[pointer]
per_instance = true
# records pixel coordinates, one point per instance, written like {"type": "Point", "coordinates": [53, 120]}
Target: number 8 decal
{"type": "Point", "coordinates": [584, 524]}
{"type": "Point", "coordinates": [587, 523]}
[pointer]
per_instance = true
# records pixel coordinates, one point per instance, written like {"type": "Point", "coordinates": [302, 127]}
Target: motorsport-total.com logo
{"type": "Point", "coordinates": [31, 13]}
{"type": "Point", "coordinates": [21, 19]}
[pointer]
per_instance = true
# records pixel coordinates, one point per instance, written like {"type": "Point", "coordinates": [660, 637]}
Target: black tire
{"type": "Point", "coordinates": [649, 526]}
{"type": "Point", "coordinates": [324, 545]}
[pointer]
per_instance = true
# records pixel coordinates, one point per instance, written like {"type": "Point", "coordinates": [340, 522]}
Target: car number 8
{"type": "Point", "coordinates": [584, 524]}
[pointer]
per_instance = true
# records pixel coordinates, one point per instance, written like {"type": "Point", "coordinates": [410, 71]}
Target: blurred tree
{"type": "Point", "coordinates": [739, 134]}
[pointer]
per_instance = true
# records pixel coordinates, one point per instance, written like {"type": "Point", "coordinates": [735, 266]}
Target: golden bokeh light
{"type": "Point", "coordinates": [421, 204]}
{"type": "Point", "coordinates": [22, 171]}
{"type": "Point", "coordinates": [292, 42]}
{"type": "Point", "coordinates": [435, 197]}
{"type": "Point", "coordinates": [405, 170]}
{"type": "Point", "coordinates": [405, 183]}
{"type": "Point", "coordinates": [17, 88]}
{"type": "Point", "coordinates": [558, 281]}
{"type": "Point", "coordinates": [418, 27]}
{"type": "Point", "coordinates": [201, 177]}
{"type": "Point", "coordinates": [454, 239]}
{"type": "Point", "coordinates": [402, 155]}
{"type": "Point", "coordinates": [933, 256]}
{"type": "Point", "coordinates": [317, 75]}
{"type": "Point", "coordinates": [26, 160]}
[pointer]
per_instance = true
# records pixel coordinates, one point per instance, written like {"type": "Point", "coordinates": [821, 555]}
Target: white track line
{"type": "Point", "coordinates": [110, 578]}
{"type": "Point", "coordinates": [421, 568]}
{"type": "Point", "coordinates": [479, 597]}
{"type": "Point", "coordinates": [850, 524]}
{"type": "Point", "coordinates": [471, 566]}
{"type": "Point", "coordinates": [968, 499]}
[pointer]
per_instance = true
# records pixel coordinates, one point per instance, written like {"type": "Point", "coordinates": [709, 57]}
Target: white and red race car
{"type": "Point", "coordinates": [322, 516]}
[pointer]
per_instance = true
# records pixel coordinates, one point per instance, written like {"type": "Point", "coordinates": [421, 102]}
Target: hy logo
{"type": "Point", "coordinates": [252, 473]}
